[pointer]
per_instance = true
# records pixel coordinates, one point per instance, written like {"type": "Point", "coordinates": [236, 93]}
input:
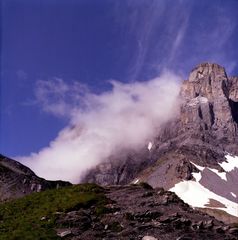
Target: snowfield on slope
{"type": "Point", "coordinates": [230, 164]}
{"type": "Point", "coordinates": [196, 195]}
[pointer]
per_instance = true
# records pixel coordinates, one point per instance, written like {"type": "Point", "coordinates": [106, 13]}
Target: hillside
{"type": "Point", "coordinates": [117, 212]}
{"type": "Point", "coordinates": [17, 180]}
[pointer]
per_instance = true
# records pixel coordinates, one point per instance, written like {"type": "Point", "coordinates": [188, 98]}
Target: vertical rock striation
{"type": "Point", "coordinates": [210, 99]}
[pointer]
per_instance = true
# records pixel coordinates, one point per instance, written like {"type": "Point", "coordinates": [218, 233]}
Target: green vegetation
{"type": "Point", "coordinates": [33, 217]}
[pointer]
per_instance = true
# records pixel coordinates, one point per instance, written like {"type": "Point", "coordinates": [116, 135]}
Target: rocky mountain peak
{"type": "Point", "coordinates": [206, 80]}
{"type": "Point", "coordinates": [207, 70]}
{"type": "Point", "coordinates": [209, 96]}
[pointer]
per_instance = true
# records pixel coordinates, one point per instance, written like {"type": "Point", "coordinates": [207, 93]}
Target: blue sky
{"type": "Point", "coordinates": [90, 42]}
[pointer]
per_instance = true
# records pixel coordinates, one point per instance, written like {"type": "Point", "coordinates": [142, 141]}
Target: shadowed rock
{"type": "Point", "coordinates": [17, 180]}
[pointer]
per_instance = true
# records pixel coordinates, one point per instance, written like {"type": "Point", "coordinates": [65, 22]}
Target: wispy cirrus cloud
{"type": "Point", "coordinates": [58, 97]}
{"type": "Point", "coordinates": [176, 36]}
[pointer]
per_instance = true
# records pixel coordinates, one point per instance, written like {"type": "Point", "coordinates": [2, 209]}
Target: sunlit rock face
{"type": "Point", "coordinates": [209, 110]}
{"type": "Point", "coordinates": [209, 97]}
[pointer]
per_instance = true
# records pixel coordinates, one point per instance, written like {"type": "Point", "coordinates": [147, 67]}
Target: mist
{"type": "Point", "coordinates": [123, 119]}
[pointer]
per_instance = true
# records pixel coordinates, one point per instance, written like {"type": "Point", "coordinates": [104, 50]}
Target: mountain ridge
{"type": "Point", "coordinates": [194, 154]}
{"type": "Point", "coordinates": [17, 180]}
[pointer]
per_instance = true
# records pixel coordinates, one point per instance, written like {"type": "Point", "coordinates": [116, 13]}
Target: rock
{"type": "Point", "coordinates": [184, 238]}
{"type": "Point", "coordinates": [39, 187]}
{"type": "Point", "coordinates": [194, 226]}
{"type": "Point", "coordinates": [149, 238]}
{"type": "Point", "coordinates": [225, 228]}
{"type": "Point", "coordinates": [64, 233]}
{"type": "Point", "coordinates": [165, 200]}
{"type": "Point", "coordinates": [185, 221]}
{"type": "Point", "coordinates": [207, 105]}
{"type": "Point", "coordinates": [219, 229]}
{"type": "Point", "coordinates": [79, 219]}
{"type": "Point", "coordinates": [208, 224]}
{"type": "Point", "coordinates": [233, 231]}
{"type": "Point", "coordinates": [233, 89]}
{"type": "Point", "coordinates": [33, 187]}
{"type": "Point", "coordinates": [184, 170]}
{"type": "Point", "coordinates": [166, 219]}
{"type": "Point", "coordinates": [200, 224]}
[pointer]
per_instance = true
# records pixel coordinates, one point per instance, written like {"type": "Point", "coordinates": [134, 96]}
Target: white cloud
{"type": "Point", "coordinates": [122, 119]}
{"type": "Point", "coordinates": [174, 36]}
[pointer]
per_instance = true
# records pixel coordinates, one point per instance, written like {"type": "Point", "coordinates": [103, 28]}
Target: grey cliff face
{"type": "Point", "coordinates": [233, 89]}
{"type": "Point", "coordinates": [210, 99]}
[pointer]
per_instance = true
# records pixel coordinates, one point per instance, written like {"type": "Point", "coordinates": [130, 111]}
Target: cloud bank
{"type": "Point", "coordinates": [122, 119]}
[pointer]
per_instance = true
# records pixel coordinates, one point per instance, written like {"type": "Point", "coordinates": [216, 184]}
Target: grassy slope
{"type": "Point", "coordinates": [21, 218]}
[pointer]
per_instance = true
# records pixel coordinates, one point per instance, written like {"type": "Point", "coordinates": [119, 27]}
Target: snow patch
{"type": "Point", "coordinates": [198, 167]}
{"type": "Point", "coordinates": [197, 176]}
{"type": "Point", "coordinates": [222, 175]}
{"type": "Point", "coordinates": [136, 181]}
{"type": "Point", "coordinates": [150, 145]}
{"type": "Point", "coordinates": [230, 164]}
{"type": "Point", "coordinates": [196, 195]}
{"type": "Point", "coordinates": [233, 194]}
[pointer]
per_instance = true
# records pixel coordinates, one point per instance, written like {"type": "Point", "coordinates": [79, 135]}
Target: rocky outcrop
{"type": "Point", "coordinates": [17, 180]}
{"type": "Point", "coordinates": [140, 212]}
{"type": "Point", "coordinates": [233, 88]}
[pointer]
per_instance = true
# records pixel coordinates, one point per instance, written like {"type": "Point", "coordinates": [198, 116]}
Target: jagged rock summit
{"type": "Point", "coordinates": [195, 153]}
{"type": "Point", "coordinates": [210, 102]}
